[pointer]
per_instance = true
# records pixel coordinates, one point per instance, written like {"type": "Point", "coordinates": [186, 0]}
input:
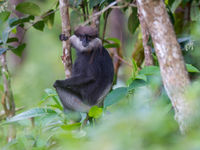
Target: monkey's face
{"type": "Point", "coordinates": [84, 43]}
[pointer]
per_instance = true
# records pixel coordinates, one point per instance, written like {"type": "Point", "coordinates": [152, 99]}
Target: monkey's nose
{"type": "Point", "coordinates": [85, 43]}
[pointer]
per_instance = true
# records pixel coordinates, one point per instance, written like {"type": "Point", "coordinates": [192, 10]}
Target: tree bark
{"type": "Point", "coordinates": [174, 75]}
{"type": "Point", "coordinates": [148, 58]}
{"type": "Point", "coordinates": [66, 30]}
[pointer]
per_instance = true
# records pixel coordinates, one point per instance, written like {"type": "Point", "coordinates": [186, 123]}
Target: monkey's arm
{"type": "Point", "coordinates": [74, 81]}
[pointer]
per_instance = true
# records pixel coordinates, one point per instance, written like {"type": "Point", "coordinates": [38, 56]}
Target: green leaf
{"type": "Point", "coordinates": [149, 70]}
{"type": "Point", "coordinates": [135, 69]}
{"type": "Point", "coordinates": [133, 21]}
{"type": "Point", "coordinates": [19, 50]}
{"type": "Point", "coordinates": [73, 126]}
{"type": "Point", "coordinates": [35, 112]}
{"type": "Point", "coordinates": [136, 84]}
{"type": "Point", "coordinates": [115, 40]}
{"type": "Point", "coordinates": [115, 96]}
{"type": "Point", "coordinates": [49, 18]}
{"type": "Point", "coordinates": [113, 45]}
{"type": "Point", "coordinates": [28, 8]}
{"type": "Point", "coordinates": [4, 15]}
{"type": "Point", "coordinates": [141, 77]}
{"type": "Point", "coordinates": [175, 4]}
{"type": "Point", "coordinates": [95, 112]}
{"type": "Point", "coordinates": [191, 68]}
{"type": "Point", "coordinates": [21, 20]}
{"type": "Point", "coordinates": [39, 25]}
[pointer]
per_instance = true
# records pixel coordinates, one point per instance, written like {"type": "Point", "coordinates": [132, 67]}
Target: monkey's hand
{"type": "Point", "coordinates": [62, 37]}
{"type": "Point", "coordinates": [57, 83]}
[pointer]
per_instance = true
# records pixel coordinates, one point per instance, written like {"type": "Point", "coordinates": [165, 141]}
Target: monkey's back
{"type": "Point", "coordinates": [97, 64]}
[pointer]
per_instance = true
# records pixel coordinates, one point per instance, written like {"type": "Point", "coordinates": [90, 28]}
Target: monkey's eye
{"type": "Point", "coordinates": [89, 38]}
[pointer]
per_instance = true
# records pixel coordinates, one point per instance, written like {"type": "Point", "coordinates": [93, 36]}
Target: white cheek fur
{"type": "Point", "coordinates": [77, 44]}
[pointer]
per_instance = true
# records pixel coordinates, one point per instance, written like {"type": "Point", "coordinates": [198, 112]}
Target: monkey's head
{"type": "Point", "coordinates": [85, 38]}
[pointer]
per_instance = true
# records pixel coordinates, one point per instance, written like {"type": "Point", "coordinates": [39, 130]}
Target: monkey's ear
{"type": "Point", "coordinates": [62, 37]}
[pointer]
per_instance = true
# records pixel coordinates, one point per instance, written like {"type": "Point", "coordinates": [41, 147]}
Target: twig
{"type": "Point", "coordinates": [125, 5]}
{"type": "Point", "coordinates": [100, 12]}
{"type": "Point", "coordinates": [124, 61]}
{"type": "Point", "coordinates": [7, 98]}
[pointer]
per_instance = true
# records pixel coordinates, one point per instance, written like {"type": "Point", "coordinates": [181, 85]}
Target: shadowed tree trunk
{"type": "Point", "coordinates": [174, 75]}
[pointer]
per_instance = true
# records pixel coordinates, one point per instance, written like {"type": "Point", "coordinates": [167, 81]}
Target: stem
{"type": "Point", "coordinates": [7, 99]}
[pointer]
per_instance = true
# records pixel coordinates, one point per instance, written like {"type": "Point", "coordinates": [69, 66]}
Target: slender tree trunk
{"type": "Point", "coordinates": [7, 99]}
{"type": "Point", "coordinates": [148, 58]}
{"type": "Point", "coordinates": [66, 30]}
{"type": "Point", "coordinates": [174, 75]}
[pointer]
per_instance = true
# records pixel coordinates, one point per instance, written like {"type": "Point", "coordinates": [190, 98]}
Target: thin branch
{"type": "Point", "coordinates": [100, 12]}
{"type": "Point", "coordinates": [7, 98]}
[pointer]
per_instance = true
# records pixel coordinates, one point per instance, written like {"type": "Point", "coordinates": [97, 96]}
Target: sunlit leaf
{"type": "Point", "coordinates": [191, 68]}
{"type": "Point", "coordinates": [4, 15]}
{"type": "Point", "coordinates": [95, 112]}
{"type": "Point", "coordinates": [73, 126]}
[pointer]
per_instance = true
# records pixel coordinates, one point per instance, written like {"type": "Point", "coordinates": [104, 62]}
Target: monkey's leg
{"type": "Point", "coordinates": [71, 100]}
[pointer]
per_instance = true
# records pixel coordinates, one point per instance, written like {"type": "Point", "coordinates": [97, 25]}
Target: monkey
{"type": "Point", "coordinates": [92, 72]}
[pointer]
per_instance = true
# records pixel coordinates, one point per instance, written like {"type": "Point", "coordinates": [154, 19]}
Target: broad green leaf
{"type": "Point", "coordinates": [149, 70]}
{"type": "Point", "coordinates": [35, 112]}
{"type": "Point", "coordinates": [4, 15]}
{"type": "Point", "coordinates": [175, 4]}
{"type": "Point", "coordinates": [71, 126]}
{"type": "Point", "coordinates": [191, 68]}
{"type": "Point", "coordinates": [115, 96]}
{"type": "Point", "coordinates": [28, 8]}
{"type": "Point", "coordinates": [133, 21]}
{"type": "Point", "coordinates": [141, 77]}
{"type": "Point", "coordinates": [49, 18]}
{"type": "Point", "coordinates": [19, 50]}
{"type": "Point", "coordinates": [39, 25]}
{"type": "Point", "coordinates": [136, 84]}
{"type": "Point", "coordinates": [95, 112]}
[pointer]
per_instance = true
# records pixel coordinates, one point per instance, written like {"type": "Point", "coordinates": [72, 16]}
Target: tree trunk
{"type": "Point", "coordinates": [66, 30]}
{"type": "Point", "coordinates": [174, 75]}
